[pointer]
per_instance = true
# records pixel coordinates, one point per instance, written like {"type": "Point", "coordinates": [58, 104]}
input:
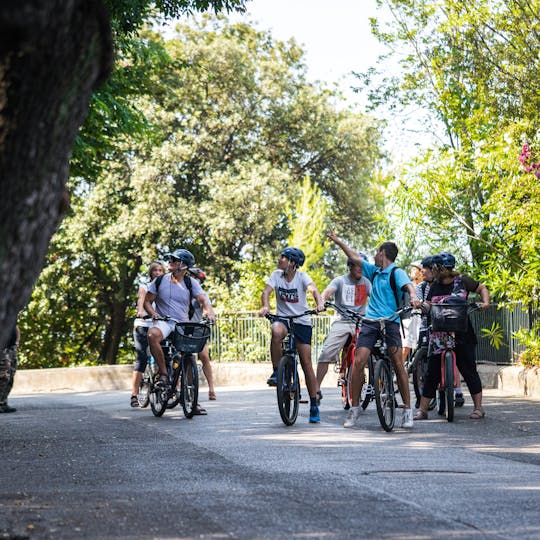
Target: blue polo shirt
{"type": "Point", "coordinates": [382, 302]}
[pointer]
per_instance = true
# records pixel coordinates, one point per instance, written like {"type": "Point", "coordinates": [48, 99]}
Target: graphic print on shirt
{"type": "Point", "coordinates": [353, 295]}
{"type": "Point", "coordinates": [288, 295]}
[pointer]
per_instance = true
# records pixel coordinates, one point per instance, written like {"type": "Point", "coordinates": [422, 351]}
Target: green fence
{"type": "Point", "coordinates": [245, 337]}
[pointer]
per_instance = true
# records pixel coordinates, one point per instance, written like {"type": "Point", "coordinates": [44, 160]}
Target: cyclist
{"type": "Point", "coordinates": [290, 286]}
{"type": "Point", "coordinates": [140, 331]}
{"type": "Point", "coordinates": [351, 292]}
{"type": "Point", "coordinates": [411, 325]}
{"type": "Point", "coordinates": [172, 298]}
{"type": "Point", "coordinates": [382, 303]}
{"type": "Point", "coordinates": [204, 355]}
{"type": "Point", "coordinates": [449, 282]}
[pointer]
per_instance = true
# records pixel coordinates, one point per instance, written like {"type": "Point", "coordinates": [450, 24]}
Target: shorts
{"type": "Point", "coordinates": [410, 337]}
{"type": "Point", "coordinates": [166, 327]}
{"type": "Point", "coordinates": [340, 332]}
{"type": "Point", "coordinates": [302, 332]}
{"type": "Point", "coordinates": [370, 334]}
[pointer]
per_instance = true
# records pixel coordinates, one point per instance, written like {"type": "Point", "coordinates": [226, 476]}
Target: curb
{"type": "Point", "coordinates": [513, 379]}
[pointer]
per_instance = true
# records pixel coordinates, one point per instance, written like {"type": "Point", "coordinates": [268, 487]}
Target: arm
{"type": "Point", "coordinates": [206, 305]}
{"type": "Point", "coordinates": [484, 295]}
{"type": "Point", "coordinates": [317, 296]}
{"type": "Point", "coordinates": [328, 293]}
{"type": "Point", "coordinates": [411, 289]}
{"type": "Point", "coordinates": [141, 295]}
{"type": "Point", "coordinates": [350, 252]}
{"type": "Point", "coordinates": [265, 300]}
{"type": "Point", "coordinates": [148, 301]}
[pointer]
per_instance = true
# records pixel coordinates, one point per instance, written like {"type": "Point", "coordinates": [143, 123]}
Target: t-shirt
{"type": "Point", "coordinates": [291, 298]}
{"type": "Point", "coordinates": [350, 294]}
{"type": "Point", "coordinates": [141, 321]}
{"type": "Point", "coordinates": [173, 299]}
{"type": "Point", "coordinates": [382, 302]}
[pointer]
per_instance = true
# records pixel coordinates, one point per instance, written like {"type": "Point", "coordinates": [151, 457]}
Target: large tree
{"type": "Point", "coordinates": [53, 54]}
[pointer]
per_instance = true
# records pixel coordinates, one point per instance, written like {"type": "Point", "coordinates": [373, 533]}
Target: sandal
{"type": "Point", "coordinates": [134, 401]}
{"type": "Point", "coordinates": [477, 414]}
{"type": "Point", "coordinates": [162, 380]}
{"type": "Point", "coordinates": [199, 410]}
{"type": "Point", "coordinates": [420, 415]}
{"type": "Point", "coordinates": [212, 396]}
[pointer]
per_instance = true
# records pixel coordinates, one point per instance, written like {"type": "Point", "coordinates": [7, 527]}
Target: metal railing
{"type": "Point", "coordinates": [245, 337]}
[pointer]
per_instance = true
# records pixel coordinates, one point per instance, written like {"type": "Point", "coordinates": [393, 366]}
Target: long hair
{"type": "Point", "coordinates": [153, 265]}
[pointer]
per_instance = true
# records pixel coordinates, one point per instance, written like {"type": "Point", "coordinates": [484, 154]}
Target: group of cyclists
{"type": "Point", "coordinates": [373, 291]}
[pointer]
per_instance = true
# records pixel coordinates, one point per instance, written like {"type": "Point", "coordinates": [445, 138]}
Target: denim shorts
{"type": "Point", "coordinates": [371, 332]}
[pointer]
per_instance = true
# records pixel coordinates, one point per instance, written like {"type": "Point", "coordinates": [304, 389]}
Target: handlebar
{"type": "Point", "coordinates": [204, 320]}
{"type": "Point", "coordinates": [273, 317]}
{"type": "Point", "coordinates": [345, 312]}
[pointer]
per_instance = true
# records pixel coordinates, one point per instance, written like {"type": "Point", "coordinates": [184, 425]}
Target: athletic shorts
{"type": "Point", "coordinates": [370, 333]}
{"type": "Point", "coordinates": [340, 332]}
{"type": "Point", "coordinates": [302, 332]}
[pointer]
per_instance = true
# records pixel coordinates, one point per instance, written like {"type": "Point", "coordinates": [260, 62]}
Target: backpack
{"type": "Point", "coordinates": [189, 285]}
{"type": "Point", "coordinates": [405, 296]}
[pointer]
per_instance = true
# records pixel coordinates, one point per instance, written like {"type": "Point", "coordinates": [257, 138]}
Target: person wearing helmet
{"type": "Point", "coordinates": [448, 282]}
{"type": "Point", "coordinates": [382, 303]}
{"type": "Point", "coordinates": [140, 330]}
{"type": "Point", "coordinates": [204, 355]}
{"type": "Point", "coordinates": [291, 287]}
{"type": "Point", "coordinates": [411, 325]}
{"type": "Point", "coordinates": [173, 299]}
{"type": "Point", "coordinates": [350, 292]}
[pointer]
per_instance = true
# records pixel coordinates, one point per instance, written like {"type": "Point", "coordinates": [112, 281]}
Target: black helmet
{"type": "Point", "coordinates": [183, 255]}
{"type": "Point", "coordinates": [427, 262]}
{"type": "Point", "coordinates": [295, 255]}
{"type": "Point", "coordinates": [444, 259]}
{"type": "Point", "coordinates": [198, 273]}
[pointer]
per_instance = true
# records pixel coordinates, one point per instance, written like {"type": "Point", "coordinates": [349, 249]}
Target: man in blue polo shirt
{"type": "Point", "coordinates": [382, 303]}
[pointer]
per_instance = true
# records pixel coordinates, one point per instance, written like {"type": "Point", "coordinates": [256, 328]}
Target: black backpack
{"type": "Point", "coordinates": [189, 285]}
{"type": "Point", "coordinates": [405, 297]}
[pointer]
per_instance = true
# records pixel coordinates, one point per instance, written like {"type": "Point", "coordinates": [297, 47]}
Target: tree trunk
{"type": "Point", "coordinates": [53, 53]}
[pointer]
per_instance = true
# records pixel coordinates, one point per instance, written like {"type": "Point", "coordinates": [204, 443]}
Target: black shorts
{"type": "Point", "coordinates": [302, 332]}
{"type": "Point", "coordinates": [370, 333]}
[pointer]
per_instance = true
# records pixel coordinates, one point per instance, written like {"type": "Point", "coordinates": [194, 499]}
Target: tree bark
{"type": "Point", "coordinates": [53, 53]}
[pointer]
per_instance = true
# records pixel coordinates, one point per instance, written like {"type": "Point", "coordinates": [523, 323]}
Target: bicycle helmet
{"type": "Point", "coordinates": [198, 273]}
{"type": "Point", "coordinates": [295, 255]}
{"type": "Point", "coordinates": [183, 255]}
{"type": "Point", "coordinates": [427, 262]}
{"type": "Point", "coordinates": [444, 259]}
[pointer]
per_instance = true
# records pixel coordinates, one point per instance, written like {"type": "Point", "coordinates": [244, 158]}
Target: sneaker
{"type": "Point", "coordinates": [314, 417]}
{"type": "Point", "coordinates": [408, 422]}
{"type": "Point", "coordinates": [319, 397]}
{"type": "Point", "coordinates": [272, 380]}
{"type": "Point", "coordinates": [5, 408]}
{"type": "Point", "coordinates": [459, 400]}
{"type": "Point", "coordinates": [352, 416]}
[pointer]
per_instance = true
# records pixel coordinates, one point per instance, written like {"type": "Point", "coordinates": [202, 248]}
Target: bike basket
{"type": "Point", "coordinates": [191, 337]}
{"type": "Point", "coordinates": [449, 317]}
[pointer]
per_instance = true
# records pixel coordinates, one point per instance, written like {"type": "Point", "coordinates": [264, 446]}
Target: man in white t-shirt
{"type": "Point", "coordinates": [291, 287]}
{"type": "Point", "coordinates": [350, 291]}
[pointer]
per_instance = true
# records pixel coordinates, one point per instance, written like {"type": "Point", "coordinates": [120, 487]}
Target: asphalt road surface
{"type": "Point", "coordinates": [80, 466]}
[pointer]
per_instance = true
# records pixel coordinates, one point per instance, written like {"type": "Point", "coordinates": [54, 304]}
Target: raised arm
{"type": "Point", "coordinates": [350, 252]}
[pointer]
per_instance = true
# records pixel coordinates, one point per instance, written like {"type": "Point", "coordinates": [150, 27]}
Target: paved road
{"type": "Point", "coordinates": [80, 466]}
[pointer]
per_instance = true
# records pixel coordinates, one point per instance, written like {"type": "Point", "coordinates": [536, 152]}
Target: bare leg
{"type": "Point", "coordinates": [322, 370]}
{"type": "Point", "coordinates": [155, 337]}
{"type": "Point", "coordinates": [279, 331]}
{"type": "Point", "coordinates": [304, 352]}
{"type": "Point", "coordinates": [204, 357]}
{"type": "Point", "coordinates": [135, 382]}
{"type": "Point", "coordinates": [402, 379]}
{"type": "Point", "coordinates": [358, 378]}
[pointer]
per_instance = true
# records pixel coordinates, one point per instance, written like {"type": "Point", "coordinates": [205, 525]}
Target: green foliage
{"type": "Point", "coordinates": [495, 334]}
{"type": "Point", "coordinates": [530, 356]}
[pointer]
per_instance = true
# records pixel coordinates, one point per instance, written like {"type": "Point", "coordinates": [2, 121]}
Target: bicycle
{"type": "Point", "coordinates": [346, 360]}
{"type": "Point", "coordinates": [143, 391]}
{"type": "Point", "coordinates": [188, 338]}
{"type": "Point", "coordinates": [383, 374]}
{"type": "Point", "coordinates": [288, 382]}
{"type": "Point", "coordinates": [449, 318]}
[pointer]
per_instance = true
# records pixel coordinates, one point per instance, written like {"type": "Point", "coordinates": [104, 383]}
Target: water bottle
{"type": "Point", "coordinates": [153, 365]}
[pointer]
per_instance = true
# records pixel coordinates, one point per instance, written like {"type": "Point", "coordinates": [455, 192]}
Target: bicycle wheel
{"type": "Point", "coordinates": [288, 390]}
{"type": "Point", "coordinates": [384, 394]}
{"type": "Point", "coordinates": [370, 384]}
{"type": "Point", "coordinates": [176, 392]}
{"type": "Point", "coordinates": [449, 384]}
{"type": "Point", "coordinates": [143, 392]}
{"type": "Point", "coordinates": [441, 401]}
{"type": "Point", "coordinates": [346, 389]}
{"type": "Point", "coordinates": [158, 399]}
{"type": "Point", "coordinates": [418, 372]}
{"type": "Point", "coordinates": [190, 385]}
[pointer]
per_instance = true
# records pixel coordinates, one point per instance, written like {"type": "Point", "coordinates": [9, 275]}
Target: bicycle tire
{"type": "Point", "coordinates": [441, 401]}
{"type": "Point", "coordinates": [418, 371]}
{"type": "Point", "coordinates": [190, 385]}
{"type": "Point", "coordinates": [158, 400]}
{"type": "Point", "coordinates": [143, 391]}
{"type": "Point", "coordinates": [384, 394]}
{"type": "Point", "coordinates": [288, 390]}
{"type": "Point", "coordinates": [449, 384]}
{"type": "Point", "coordinates": [370, 382]}
{"type": "Point", "coordinates": [346, 389]}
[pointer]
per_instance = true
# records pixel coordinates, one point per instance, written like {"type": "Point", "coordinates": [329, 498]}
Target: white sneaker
{"type": "Point", "coordinates": [407, 419]}
{"type": "Point", "coordinates": [352, 416]}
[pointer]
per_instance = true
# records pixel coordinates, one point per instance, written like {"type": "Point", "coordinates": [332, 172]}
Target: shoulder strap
{"type": "Point", "coordinates": [393, 285]}
{"type": "Point", "coordinates": [158, 282]}
{"type": "Point", "coordinates": [189, 285]}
